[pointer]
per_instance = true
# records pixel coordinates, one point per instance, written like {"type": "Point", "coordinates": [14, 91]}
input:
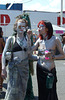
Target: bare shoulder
{"type": "Point", "coordinates": [56, 38]}
{"type": "Point", "coordinates": [57, 41]}
{"type": "Point", "coordinates": [9, 38]}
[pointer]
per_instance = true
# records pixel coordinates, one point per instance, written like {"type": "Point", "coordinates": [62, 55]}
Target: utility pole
{"type": "Point", "coordinates": [61, 11]}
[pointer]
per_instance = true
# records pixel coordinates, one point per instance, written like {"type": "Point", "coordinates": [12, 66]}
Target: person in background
{"type": "Point", "coordinates": [2, 44]}
{"type": "Point", "coordinates": [34, 38]}
{"type": "Point", "coordinates": [46, 69]}
{"type": "Point", "coordinates": [16, 52]}
{"type": "Point", "coordinates": [63, 42]}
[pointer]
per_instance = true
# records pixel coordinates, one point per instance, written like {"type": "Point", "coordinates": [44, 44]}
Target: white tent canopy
{"type": "Point", "coordinates": [55, 27]}
{"type": "Point", "coordinates": [58, 30]}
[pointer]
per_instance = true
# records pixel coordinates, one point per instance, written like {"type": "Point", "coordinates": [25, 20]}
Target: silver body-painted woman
{"type": "Point", "coordinates": [18, 66]}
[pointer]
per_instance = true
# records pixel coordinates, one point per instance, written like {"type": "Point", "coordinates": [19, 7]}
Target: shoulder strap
{"type": "Point", "coordinates": [13, 40]}
{"type": "Point", "coordinates": [12, 43]}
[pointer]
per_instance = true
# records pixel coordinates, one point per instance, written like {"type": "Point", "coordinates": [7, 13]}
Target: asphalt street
{"type": "Point", "coordinates": [60, 67]}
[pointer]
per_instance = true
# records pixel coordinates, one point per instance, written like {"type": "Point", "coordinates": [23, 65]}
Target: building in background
{"type": "Point", "coordinates": [9, 12]}
{"type": "Point", "coordinates": [14, 6]}
{"type": "Point", "coordinates": [2, 6]}
{"type": "Point", "coordinates": [36, 16]}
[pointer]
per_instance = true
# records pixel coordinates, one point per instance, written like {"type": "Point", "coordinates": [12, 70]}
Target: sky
{"type": "Point", "coordinates": [39, 5]}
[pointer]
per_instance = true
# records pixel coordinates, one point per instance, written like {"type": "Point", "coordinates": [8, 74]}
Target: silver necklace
{"type": "Point", "coordinates": [20, 42]}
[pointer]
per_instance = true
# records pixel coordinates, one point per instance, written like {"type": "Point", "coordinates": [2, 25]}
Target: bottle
{"type": "Point", "coordinates": [49, 81]}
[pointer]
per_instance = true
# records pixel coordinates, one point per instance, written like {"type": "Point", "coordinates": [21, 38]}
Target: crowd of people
{"type": "Point", "coordinates": [18, 52]}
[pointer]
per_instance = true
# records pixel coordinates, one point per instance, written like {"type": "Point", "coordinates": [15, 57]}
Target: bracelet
{"type": "Point", "coordinates": [53, 56]}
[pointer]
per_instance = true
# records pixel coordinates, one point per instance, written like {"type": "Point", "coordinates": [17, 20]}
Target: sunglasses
{"type": "Point", "coordinates": [41, 26]}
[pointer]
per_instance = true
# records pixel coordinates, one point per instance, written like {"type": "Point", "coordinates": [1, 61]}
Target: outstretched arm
{"type": "Point", "coordinates": [35, 46]}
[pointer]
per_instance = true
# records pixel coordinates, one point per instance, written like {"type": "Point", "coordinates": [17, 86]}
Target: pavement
{"type": "Point", "coordinates": [60, 67]}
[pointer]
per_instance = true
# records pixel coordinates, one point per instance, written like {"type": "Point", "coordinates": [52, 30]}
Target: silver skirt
{"type": "Point", "coordinates": [18, 74]}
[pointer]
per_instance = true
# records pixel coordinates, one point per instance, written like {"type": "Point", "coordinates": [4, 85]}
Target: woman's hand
{"type": "Point", "coordinates": [4, 73]}
{"type": "Point", "coordinates": [29, 33]}
{"type": "Point", "coordinates": [48, 55]}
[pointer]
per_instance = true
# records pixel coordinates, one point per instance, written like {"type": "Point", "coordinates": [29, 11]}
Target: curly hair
{"type": "Point", "coordinates": [15, 25]}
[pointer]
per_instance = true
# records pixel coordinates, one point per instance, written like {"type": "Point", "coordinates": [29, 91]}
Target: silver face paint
{"type": "Point", "coordinates": [21, 24]}
{"type": "Point", "coordinates": [21, 27]}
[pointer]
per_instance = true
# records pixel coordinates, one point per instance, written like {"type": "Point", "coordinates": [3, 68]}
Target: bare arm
{"type": "Point", "coordinates": [34, 47]}
{"type": "Point", "coordinates": [58, 45]}
{"type": "Point", "coordinates": [34, 57]}
{"type": "Point", "coordinates": [4, 52]}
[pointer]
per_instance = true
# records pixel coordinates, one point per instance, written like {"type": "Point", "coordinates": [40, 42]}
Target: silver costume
{"type": "Point", "coordinates": [18, 71]}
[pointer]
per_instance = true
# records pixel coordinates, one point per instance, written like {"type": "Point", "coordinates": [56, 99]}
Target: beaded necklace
{"type": "Point", "coordinates": [22, 42]}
